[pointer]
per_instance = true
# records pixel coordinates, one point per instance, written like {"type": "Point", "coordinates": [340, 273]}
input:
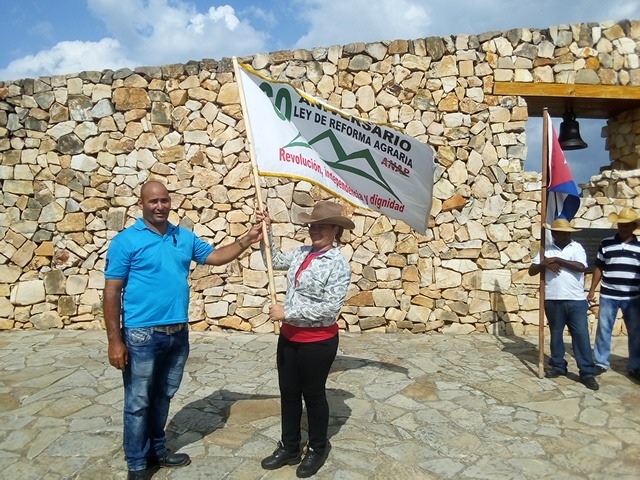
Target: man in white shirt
{"type": "Point", "coordinates": [564, 263]}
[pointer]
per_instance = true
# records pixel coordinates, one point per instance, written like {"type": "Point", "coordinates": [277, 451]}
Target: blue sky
{"type": "Point", "coordinates": [44, 37]}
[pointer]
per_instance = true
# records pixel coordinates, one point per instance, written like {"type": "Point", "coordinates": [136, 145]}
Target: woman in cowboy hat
{"type": "Point", "coordinates": [317, 281]}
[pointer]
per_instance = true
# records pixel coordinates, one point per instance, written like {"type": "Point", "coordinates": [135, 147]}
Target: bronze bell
{"type": "Point", "coordinates": [569, 137]}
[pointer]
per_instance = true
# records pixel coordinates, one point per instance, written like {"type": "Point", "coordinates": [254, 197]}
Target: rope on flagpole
{"type": "Point", "coordinates": [256, 181]}
{"type": "Point", "coordinates": [543, 237]}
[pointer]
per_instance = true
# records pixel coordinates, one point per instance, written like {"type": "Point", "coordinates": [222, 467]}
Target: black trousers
{"type": "Point", "coordinates": [303, 369]}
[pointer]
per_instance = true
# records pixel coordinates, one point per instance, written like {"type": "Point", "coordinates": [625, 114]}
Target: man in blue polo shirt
{"type": "Point", "coordinates": [618, 266]}
{"type": "Point", "coordinates": [146, 302]}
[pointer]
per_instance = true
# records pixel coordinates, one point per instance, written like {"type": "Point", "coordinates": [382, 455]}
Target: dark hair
{"type": "Point", "coordinates": [339, 234]}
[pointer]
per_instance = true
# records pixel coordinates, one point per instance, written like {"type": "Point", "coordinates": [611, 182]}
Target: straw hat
{"type": "Point", "coordinates": [561, 225]}
{"type": "Point", "coordinates": [327, 213]}
{"type": "Point", "coordinates": [626, 215]}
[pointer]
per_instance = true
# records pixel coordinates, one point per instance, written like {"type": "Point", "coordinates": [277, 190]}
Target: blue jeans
{"type": "Point", "coordinates": [606, 319]}
{"type": "Point", "coordinates": [573, 314]}
{"type": "Point", "coordinates": [151, 379]}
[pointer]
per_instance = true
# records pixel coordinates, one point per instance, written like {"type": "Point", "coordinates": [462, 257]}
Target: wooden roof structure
{"type": "Point", "coordinates": [586, 101]}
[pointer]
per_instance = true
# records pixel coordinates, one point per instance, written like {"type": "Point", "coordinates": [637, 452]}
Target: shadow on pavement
{"type": "Point", "coordinates": [342, 363]}
{"type": "Point", "coordinates": [528, 352]}
{"type": "Point", "coordinates": [339, 411]}
{"type": "Point", "coordinates": [204, 416]}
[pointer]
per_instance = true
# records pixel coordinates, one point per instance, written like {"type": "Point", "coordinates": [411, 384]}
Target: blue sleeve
{"type": "Point", "coordinates": [201, 250]}
{"type": "Point", "coordinates": [118, 260]}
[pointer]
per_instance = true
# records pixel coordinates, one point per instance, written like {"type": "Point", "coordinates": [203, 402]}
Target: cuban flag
{"type": "Point", "coordinates": [563, 195]}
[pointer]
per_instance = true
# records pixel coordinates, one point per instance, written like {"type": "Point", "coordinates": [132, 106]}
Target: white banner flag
{"type": "Point", "coordinates": [369, 165]}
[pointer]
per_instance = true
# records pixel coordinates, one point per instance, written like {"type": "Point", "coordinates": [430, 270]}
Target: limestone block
{"type": "Point", "coordinates": [80, 107]}
{"type": "Point", "coordinates": [218, 309]}
{"type": "Point", "coordinates": [458, 329]}
{"type": "Point", "coordinates": [18, 187]}
{"type": "Point", "coordinates": [361, 299]}
{"type": "Point", "coordinates": [431, 326]}
{"type": "Point", "coordinates": [371, 311]}
{"type": "Point", "coordinates": [6, 309]}
{"type": "Point", "coordinates": [253, 301]}
{"type": "Point", "coordinates": [370, 323]}
{"type": "Point", "coordinates": [496, 280]}
{"type": "Point", "coordinates": [516, 252]}
{"type": "Point", "coordinates": [235, 323]}
{"type": "Point", "coordinates": [24, 254]}
{"type": "Point", "coordinates": [248, 313]}
{"type": "Point", "coordinates": [67, 306]}
{"type": "Point", "coordinates": [261, 323]}
{"type": "Point", "coordinates": [362, 255]}
{"type": "Point", "coordinates": [419, 314]}
{"type": "Point", "coordinates": [397, 315]}
{"type": "Point", "coordinates": [385, 298]}
{"type": "Point", "coordinates": [6, 323]}
{"type": "Point", "coordinates": [131, 98]}
{"type": "Point", "coordinates": [76, 284]}
{"type": "Point", "coordinates": [104, 108]}
{"type": "Point", "coordinates": [461, 266]}
{"type": "Point", "coordinates": [228, 94]}
{"type": "Point", "coordinates": [388, 274]}
{"type": "Point", "coordinates": [446, 67]}
{"type": "Point", "coordinates": [407, 245]}
{"type": "Point", "coordinates": [72, 222]}
{"type": "Point", "coordinates": [446, 278]}
{"type": "Point", "coordinates": [28, 292]}
{"type": "Point", "coordinates": [252, 278]}
{"type": "Point", "coordinates": [365, 97]}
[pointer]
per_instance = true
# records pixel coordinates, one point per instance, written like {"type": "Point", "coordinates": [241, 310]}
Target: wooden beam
{"type": "Point", "coordinates": [613, 92]}
{"type": "Point", "coordinates": [587, 101]}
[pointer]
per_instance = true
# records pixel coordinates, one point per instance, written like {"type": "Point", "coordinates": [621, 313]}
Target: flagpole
{"type": "Point", "coordinates": [256, 181]}
{"type": "Point", "coordinates": [543, 237]}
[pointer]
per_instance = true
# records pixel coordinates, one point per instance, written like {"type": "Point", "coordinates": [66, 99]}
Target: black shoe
{"type": "Point", "coordinates": [280, 457]}
{"type": "Point", "coordinates": [600, 370]}
{"type": "Point", "coordinates": [554, 373]}
{"type": "Point", "coordinates": [169, 460]}
{"type": "Point", "coordinates": [138, 475]}
{"type": "Point", "coordinates": [590, 383]}
{"type": "Point", "coordinates": [635, 374]}
{"type": "Point", "coordinates": [312, 462]}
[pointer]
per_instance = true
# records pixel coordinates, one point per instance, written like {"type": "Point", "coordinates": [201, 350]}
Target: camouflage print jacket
{"type": "Point", "coordinates": [316, 299]}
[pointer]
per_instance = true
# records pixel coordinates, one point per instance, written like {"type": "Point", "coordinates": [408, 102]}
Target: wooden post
{"type": "Point", "coordinates": [543, 235]}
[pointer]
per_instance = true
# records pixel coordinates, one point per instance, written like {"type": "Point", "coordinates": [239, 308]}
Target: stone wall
{"type": "Point", "coordinates": [623, 140]}
{"type": "Point", "coordinates": [76, 148]}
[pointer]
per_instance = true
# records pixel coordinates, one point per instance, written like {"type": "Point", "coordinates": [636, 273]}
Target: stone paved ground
{"type": "Point", "coordinates": [402, 407]}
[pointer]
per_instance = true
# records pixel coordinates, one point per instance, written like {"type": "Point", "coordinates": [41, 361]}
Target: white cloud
{"type": "Point", "coordinates": [332, 23]}
{"type": "Point", "coordinates": [158, 32]}
{"type": "Point", "coordinates": [473, 17]}
{"type": "Point", "coordinates": [149, 32]}
{"type": "Point", "coordinates": [68, 57]}
{"type": "Point", "coordinates": [341, 22]}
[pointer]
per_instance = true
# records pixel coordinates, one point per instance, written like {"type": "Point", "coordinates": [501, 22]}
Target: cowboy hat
{"type": "Point", "coordinates": [561, 225]}
{"type": "Point", "coordinates": [626, 215]}
{"type": "Point", "coordinates": [327, 213]}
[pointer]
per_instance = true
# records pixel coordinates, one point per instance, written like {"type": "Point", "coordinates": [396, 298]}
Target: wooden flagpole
{"type": "Point", "coordinates": [543, 236]}
{"type": "Point", "coordinates": [256, 181]}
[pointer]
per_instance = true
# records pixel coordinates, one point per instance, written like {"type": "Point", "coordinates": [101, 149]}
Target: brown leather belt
{"type": "Point", "coordinates": [170, 329]}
